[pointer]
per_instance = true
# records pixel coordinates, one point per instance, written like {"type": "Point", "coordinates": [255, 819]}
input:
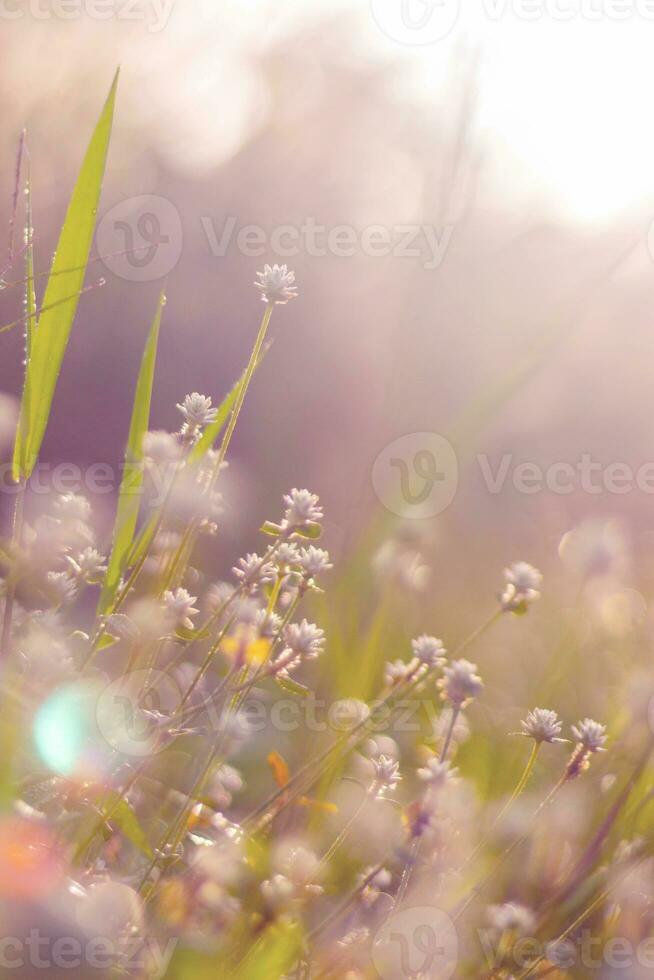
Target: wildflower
{"type": "Point", "coordinates": [253, 571]}
{"type": "Point", "coordinates": [61, 587]}
{"type": "Point", "coordinates": [197, 410]}
{"type": "Point", "coordinates": [437, 774]}
{"type": "Point", "coordinates": [442, 727]}
{"type": "Point", "coordinates": [245, 645]}
{"type": "Point", "coordinates": [460, 683]}
{"type": "Point", "coordinates": [181, 607]}
{"type": "Point", "coordinates": [89, 565]}
{"type": "Point", "coordinates": [429, 650]}
{"type": "Point", "coordinates": [72, 507]}
{"type": "Point", "coordinates": [305, 639]}
{"type": "Point", "coordinates": [542, 725]}
{"type": "Point", "coordinates": [387, 775]}
{"type": "Point", "coordinates": [590, 737]}
{"type": "Point", "coordinates": [397, 671]}
{"type": "Point", "coordinates": [160, 448]}
{"type": "Point", "coordinates": [590, 734]}
{"type": "Point", "coordinates": [277, 892]}
{"type": "Point", "coordinates": [302, 508]}
{"type": "Point", "coordinates": [287, 554]}
{"type": "Point", "coordinates": [595, 548]}
{"type": "Point", "coordinates": [511, 917]}
{"type": "Point", "coordinates": [267, 624]}
{"type": "Point", "coordinates": [375, 884]}
{"type": "Point", "coordinates": [276, 284]}
{"type": "Point", "coordinates": [355, 937]}
{"type": "Point", "coordinates": [313, 561]}
{"type": "Point", "coordinates": [523, 583]}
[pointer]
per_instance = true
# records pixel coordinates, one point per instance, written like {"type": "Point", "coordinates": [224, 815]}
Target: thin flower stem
{"type": "Point", "coordinates": [512, 847]}
{"type": "Point", "coordinates": [359, 731]}
{"type": "Point", "coordinates": [16, 537]}
{"type": "Point", "coordinates": [519, 789]}
{"type": "Point", "coordinates": [188, 540]}
{"type": "Point", "coordinates": [342, 836]}
{"type": "Point", "coordinates": [456, 711]}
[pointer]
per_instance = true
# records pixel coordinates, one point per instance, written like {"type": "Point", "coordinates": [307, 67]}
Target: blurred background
{"type": "Point", "coordinates": [482, 184]}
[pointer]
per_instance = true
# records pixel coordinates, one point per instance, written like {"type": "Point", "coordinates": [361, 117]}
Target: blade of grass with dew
{"type": "Point", "coordinates": [30, 291]}
{"type": "Point", "coordinates": [129, 497]}
{"type": "Point", "coordinates": [55, 322]}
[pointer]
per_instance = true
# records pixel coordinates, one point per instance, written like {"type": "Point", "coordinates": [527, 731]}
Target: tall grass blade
{"type": "Point", "coordinates": [129, 497]}
{"type": "Point", "coordinates": [56, 319]}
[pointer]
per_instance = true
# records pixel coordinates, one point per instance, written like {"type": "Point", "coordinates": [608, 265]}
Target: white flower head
{"type": "Point", "coordinates": [387, 775]}
{"type": "Point", "coordinates": [161, 448]}
{"type": "Point", "coordinates": [252, 571]}
{"type": "Point", "coordinates": [89, 565]}
{"type": "Point", "coordinates": [523, 585]}
{"type": "Point", "coordinates": [429, 650]}
{"type": "Point", "coordinates": [543, 725]}
{"type": "Point", "coordinates": [197, 410]}
{"type": "Point", "coordinates": [313, 561]}
{"type": "Point", "coordinates": [180, 606]}
{"type": "Point", "coordinates": [305, 639]}
{"type": "Point", "coordinates": [437, 774]}
{"type": "Point", "coordinates": [276, 284]}
{"type": "Point", "coordinates": [72, 507]}
{"type": "Point", "coordinates": [302, 507]}
{"type": "Point", "coordinates": [511, 917]}
{"type": "Point", "coordinates": [460, 683]}
{"type": "Point", "coordinates": [61, 587]}
{"type": "Point", "coordinates": [590, 735]}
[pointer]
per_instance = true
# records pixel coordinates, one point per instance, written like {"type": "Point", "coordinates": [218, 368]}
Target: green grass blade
{"type": "Point", "coordinates": [54, 324]}
{"type": "Point", "coordinates": [129, 497]}
{"type": "Point", "coordinates": [213, 430]}
{"type": "Point", "coordinates": [30, 295]}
